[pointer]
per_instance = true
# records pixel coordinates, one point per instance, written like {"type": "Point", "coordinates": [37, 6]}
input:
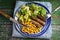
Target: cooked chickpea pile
{"type": "Point", "coordinates": [31, 29]}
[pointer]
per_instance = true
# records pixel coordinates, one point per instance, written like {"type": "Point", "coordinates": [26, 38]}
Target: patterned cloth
{"type": "Point", "coordinates": [47, 34]}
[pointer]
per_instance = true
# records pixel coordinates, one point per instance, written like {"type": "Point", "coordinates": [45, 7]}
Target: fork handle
{"type": "Point", "coordinates": [8, 17]}
{"type": "Point", "coordinates": [4, 14]}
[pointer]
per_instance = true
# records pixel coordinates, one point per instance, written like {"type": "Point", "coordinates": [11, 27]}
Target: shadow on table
{"type": "Point", "coordinates": [28, 38]}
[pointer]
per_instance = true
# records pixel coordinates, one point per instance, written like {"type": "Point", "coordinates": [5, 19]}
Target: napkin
{"type": "Point", "coordinates": [47, 34]}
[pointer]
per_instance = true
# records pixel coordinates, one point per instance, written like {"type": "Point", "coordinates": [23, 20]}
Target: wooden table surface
{"type": "Point", "coordinates": [6, 25]}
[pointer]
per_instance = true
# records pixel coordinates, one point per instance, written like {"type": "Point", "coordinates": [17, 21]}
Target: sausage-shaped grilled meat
{"type": "Point", "coordinates": [36, 23]}
{"type": "Point", "coordinates": [41, 17]}
{"type": "Point", "coordinates": [38, 20]}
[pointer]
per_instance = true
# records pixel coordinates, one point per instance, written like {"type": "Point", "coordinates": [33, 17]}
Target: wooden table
{"type": "Point", "coordinates": [6, 25]}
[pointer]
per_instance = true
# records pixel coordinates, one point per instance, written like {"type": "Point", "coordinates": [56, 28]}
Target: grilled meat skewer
{"type": "Point", "coordinates": [38, 20]}
{"type": "Point", "coordinates": [41, 17]}
{"type": "Point", "coordinates": [36, 23]}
